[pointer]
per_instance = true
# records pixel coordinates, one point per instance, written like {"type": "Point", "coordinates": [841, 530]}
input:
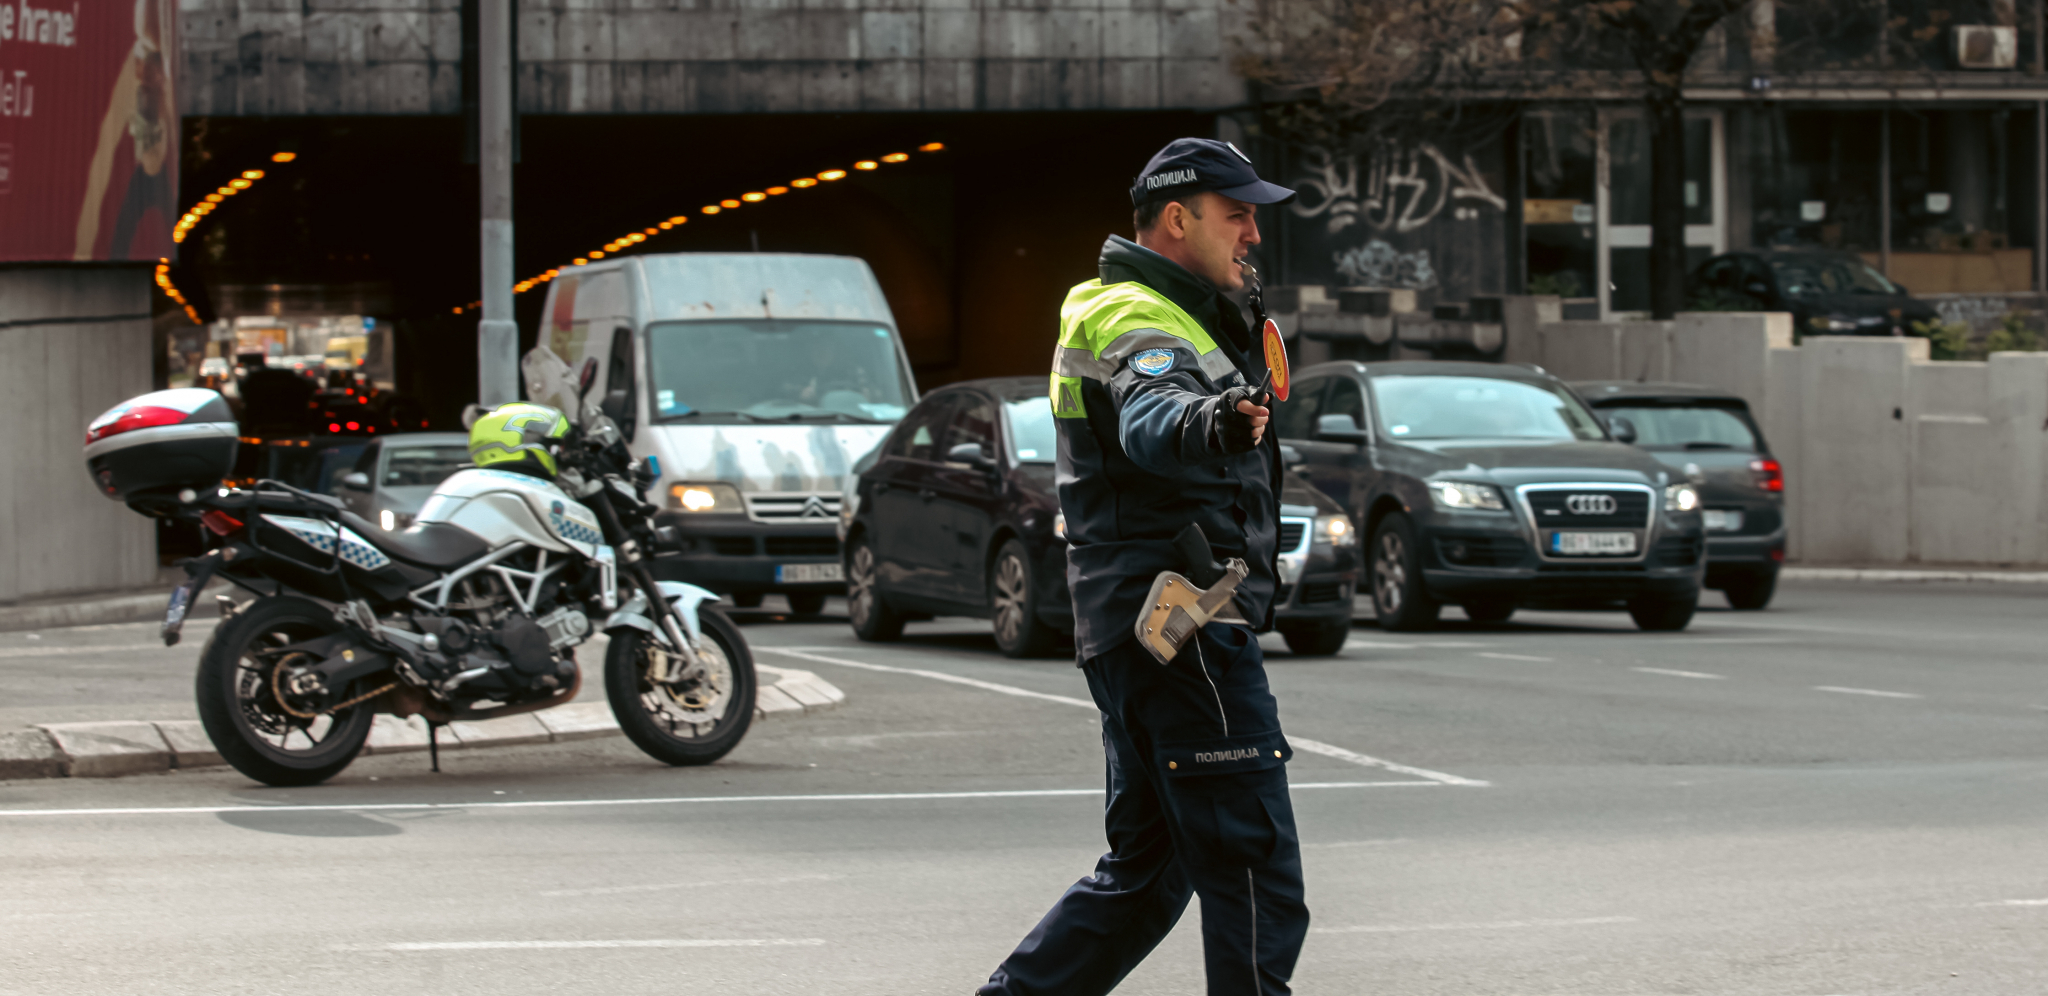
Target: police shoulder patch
{"type": "Point", "coordinates": [1152, 362]}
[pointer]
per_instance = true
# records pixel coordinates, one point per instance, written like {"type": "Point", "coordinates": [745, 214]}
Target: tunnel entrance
{"type": "Point", "coordinates": [974, 242]}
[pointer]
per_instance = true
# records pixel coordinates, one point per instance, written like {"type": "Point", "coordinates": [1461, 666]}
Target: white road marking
{"type": "Point", "coordinates": [680, 942]}
{"type": "Point", "coordinates": [1299, 743]}
{"type": "Point", "coordinates": [1456, 646]}
{"type": "Point", "coordinates": [1372, 645]}
{"type": "Point", "coordinates": [2017, 902]}
{"type": "Point", "coordinates": [376, 807]}
{"type": "Point", "coordinates": [1866, 691]}
{"type": "Point", "coordinates": [1497, 925]}
{"type": "Point", "coordinates": [622, 890]}
{"type": "Point", "coordinates": [1515, 657]}
{"type": "Point", "coordinates": [122, 648]}
{"type": "Point", "coordinates": [1681, 674]}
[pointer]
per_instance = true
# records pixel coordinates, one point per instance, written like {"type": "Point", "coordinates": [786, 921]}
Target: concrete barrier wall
{"type": "Point", "coordinates": [73, 342]}
{"type": "Point", "coordinates": [1890, 458]}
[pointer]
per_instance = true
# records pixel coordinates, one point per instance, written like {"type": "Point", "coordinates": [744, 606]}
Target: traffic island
{"type": "Point", "coordinates": [113, 749]}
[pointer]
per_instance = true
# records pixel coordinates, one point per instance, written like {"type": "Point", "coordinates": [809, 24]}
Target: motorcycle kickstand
{"type": "Point", "coordinates": [434, 746]}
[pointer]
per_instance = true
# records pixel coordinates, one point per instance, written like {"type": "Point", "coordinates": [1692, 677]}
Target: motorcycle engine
{"type": "Point", "coordinates": [515, 658]}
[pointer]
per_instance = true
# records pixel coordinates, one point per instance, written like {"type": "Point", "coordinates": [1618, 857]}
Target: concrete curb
{"type": "Point", "coordinates": [1883, 575]}
{"type": "Point", "coordinates": [112, 749]}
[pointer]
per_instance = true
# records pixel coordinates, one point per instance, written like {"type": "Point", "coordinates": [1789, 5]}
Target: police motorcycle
{"type": "Point", "coordinates": [471, 613]}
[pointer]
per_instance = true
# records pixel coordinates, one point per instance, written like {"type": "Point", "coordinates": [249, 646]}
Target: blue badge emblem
{"type": "Point", "coordinates": [1153, 362]}
{"type": "Point", "coordinates": [556, 508]}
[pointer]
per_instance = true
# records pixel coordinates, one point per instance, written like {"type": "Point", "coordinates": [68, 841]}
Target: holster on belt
{"type": "Point", "coordinates": [1180, 604]}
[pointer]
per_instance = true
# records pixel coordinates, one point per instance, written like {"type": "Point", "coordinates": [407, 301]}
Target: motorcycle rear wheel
{"type": "Point", "coordinates": [241, 710]}
{"type": "Point", "coordinates": [683, 726]}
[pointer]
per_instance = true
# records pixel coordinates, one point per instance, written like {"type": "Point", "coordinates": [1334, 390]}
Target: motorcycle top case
{"type": "Point", "coordinates": [160, 443]}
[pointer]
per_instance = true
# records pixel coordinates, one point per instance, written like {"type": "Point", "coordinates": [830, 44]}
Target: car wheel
{"type": "Point", "coordinates": [873, 619]}
{"type": "Point", "coordinates": [1013, 597]}
{"type": "Point", "coordinates": [1316, 639]}
{"type": "Point", "coordinates": [1491, 611]}
{"type": "Point", "coordinates": [806, 604]}
{"type": "Point", "coordinates": [1398, 595]}
{"type": "Point", "coordinates": [1751, 590]}
{"type": "Point", "coordinates": [746, 599]}
{"type": "Point", "coordinates": [1662, 615]}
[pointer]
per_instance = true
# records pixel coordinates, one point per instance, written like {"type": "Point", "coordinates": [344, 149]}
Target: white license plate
{"type": "Point", "coordinates": [1593, 544]}
{"type": "Point", "coordinates": [1722, 520]}
{"type": "Point", "coordinates": [808, 573]}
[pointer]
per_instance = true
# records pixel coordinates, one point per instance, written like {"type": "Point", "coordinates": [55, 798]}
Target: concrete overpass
{"type": "Point", "coordinates": [379, 57]}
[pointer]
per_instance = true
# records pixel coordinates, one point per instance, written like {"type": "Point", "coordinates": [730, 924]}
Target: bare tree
{"type": "Point", "coordinates": [1346, 73]}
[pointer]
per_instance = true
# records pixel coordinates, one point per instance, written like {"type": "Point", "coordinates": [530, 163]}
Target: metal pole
{"type": "Point", "coordinates": [497, 367]}
{"type": "Point", "coordinates": [2041, 196]}
{"type": "Point", "coordinates": [1884, 191]}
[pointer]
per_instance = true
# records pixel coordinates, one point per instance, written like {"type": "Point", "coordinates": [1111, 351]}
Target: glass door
{"type": "Point", "coordinates": [1624, 203]}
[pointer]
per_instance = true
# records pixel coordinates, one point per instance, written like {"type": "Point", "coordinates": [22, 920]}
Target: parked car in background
{"type": "Point", "coordinates": [395, 475]}
{"type": "Point", "coordinates": [1493, 487]}
{"type": "Point", "coordinates": [956, 514]}
{"type": "Point", "coordinates": [1827, 293]}
{"type": "Point", "coordinates": [1708, 437]}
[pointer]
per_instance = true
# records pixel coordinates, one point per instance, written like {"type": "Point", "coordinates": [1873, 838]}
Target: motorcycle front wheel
{"type": "Point", "coordinates": [255, 727]}
{"type": "Point", "coordinates": [682, 723]}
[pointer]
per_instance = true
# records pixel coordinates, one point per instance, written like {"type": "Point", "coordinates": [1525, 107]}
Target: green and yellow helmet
{"type": "Point", "coordinates": [520, 436]}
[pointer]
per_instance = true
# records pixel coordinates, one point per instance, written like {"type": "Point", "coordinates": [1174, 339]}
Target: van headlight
{"type": "Point", "coordinates": [1467, 495]}
{"type": "Point", "coordinates": [1681, 498]}
{"type": "Point", "coordinates": [723, 499]}
{"type": "Point", "coordinates": [1336, 530]}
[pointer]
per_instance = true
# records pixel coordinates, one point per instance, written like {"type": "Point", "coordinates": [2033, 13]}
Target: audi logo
{"type": "Point", "coordinates": [1591, 504]}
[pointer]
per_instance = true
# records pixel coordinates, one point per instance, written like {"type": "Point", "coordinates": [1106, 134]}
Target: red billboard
{"type": "Point", "coordinates": [88, 129]}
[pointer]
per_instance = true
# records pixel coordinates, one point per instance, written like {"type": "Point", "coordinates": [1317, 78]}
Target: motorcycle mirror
{"type": "Point", "coordinates": [472, 412]}
{"type": "Point", "coordinates": [586, 377]}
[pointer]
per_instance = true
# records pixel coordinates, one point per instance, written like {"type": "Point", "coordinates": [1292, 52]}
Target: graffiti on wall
{"type": "Point", "coordinates": [1403, 190]}
{"type": "Point", "coordinates": [1407, 216]}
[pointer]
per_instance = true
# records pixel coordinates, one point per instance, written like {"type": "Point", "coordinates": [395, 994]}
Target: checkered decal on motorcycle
{"type": "Point", "coordinates": [575, 532]}
{"type": "Point", "coordinates": [321, 535]}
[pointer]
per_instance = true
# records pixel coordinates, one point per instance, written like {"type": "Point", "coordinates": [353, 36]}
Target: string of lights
{"type": "Point", "coordinates": [197, 213]}
{"type": "Point", "coordinates": [632, 239]}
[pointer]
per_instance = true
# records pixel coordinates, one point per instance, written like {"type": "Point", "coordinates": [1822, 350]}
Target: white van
{"type": "Point", "coordinates": [755, 380]}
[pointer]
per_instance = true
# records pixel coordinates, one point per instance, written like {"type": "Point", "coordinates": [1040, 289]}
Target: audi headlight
{"type": "Point", "coordinates": [723, 499]}
{"type": "Point", "coordinates": [1467, 495]}
{"type": "Point", "coordinates": [1336, 530]}
{"type": "Point", "coordinates": [1681, 498]}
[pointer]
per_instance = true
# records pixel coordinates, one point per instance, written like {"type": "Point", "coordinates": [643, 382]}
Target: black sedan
{"type": "Point", "coordinates": [956, 514]}
{"type": "Point", "coordinates": [1828, 293]}
{"type": "Point", "coordinates": [1493, 487]}
{"type": "Point", "coordinates": [1707, 436]}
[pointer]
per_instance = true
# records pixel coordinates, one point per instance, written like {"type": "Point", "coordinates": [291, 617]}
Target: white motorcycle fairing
{"type": "Point", "coordinates": [502, 507]}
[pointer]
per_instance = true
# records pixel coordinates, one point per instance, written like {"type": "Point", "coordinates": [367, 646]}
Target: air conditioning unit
{"type": "Point", "coordinates": [1986, 46]}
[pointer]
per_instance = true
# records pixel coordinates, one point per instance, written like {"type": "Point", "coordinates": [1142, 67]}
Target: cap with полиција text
{"type": "Point", "coordinates": [1190, 166]}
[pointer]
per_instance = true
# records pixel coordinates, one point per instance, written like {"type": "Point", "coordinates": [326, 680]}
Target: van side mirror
{"type": "Point", "coordinates": [972, 455]}
{"type": "Point", "coordinates": [355, 480]}
{"type": "Point", "coordinates": [617, 404]}
{"type": "Point", "coordinates": [1340, 429]}
{"type": "Point", "coordinates": [1623, 430]}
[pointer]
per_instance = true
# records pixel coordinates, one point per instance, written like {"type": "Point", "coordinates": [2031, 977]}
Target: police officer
{"type": "Point", "coordinates": [1152, 389]}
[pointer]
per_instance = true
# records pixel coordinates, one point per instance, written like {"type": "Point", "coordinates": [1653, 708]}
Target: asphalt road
{"type": "Point", "coordinates": [1843, 795]}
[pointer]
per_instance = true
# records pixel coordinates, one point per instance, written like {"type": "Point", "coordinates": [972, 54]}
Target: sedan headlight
{"type": "Point", "coordinates": [1467, 495]}
{"type": "Point", "coordinates": [1830, 323]}
{"type": "Point", "coordinates": [1681, 498]}
{"type": "Point", "coordinates": [723, 499]}
{"type": "Point", "coordinates": [1336, 530]}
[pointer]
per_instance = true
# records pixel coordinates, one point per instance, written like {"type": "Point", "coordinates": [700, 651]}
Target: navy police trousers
{"type": "Point", "coordinates": [1197, 803]}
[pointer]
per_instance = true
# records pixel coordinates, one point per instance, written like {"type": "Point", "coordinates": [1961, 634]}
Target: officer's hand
{"type": "Point", "coordinates": [1240, 422]}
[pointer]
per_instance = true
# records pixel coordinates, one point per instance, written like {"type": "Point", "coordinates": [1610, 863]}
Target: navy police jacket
{"type": "Point", "coordinates": [1144, 352]}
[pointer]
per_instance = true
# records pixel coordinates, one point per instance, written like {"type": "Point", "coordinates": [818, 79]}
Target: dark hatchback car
{"type": "Point", "coordinates": [956, 514]}
{"type": "Point", "coordinates": [1828, 293]}
{"type": "Point", "coordinates": [1493, 487]}
{"type": "Point", "coordinates": [1707, 436]}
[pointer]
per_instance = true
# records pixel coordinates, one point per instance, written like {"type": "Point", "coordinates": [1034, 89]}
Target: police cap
{"type": "Point", "coordinates": [1190, 166]}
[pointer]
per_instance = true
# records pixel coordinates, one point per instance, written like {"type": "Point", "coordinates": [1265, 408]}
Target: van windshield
{"type": "Point", "coordinates": [763, 370]}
